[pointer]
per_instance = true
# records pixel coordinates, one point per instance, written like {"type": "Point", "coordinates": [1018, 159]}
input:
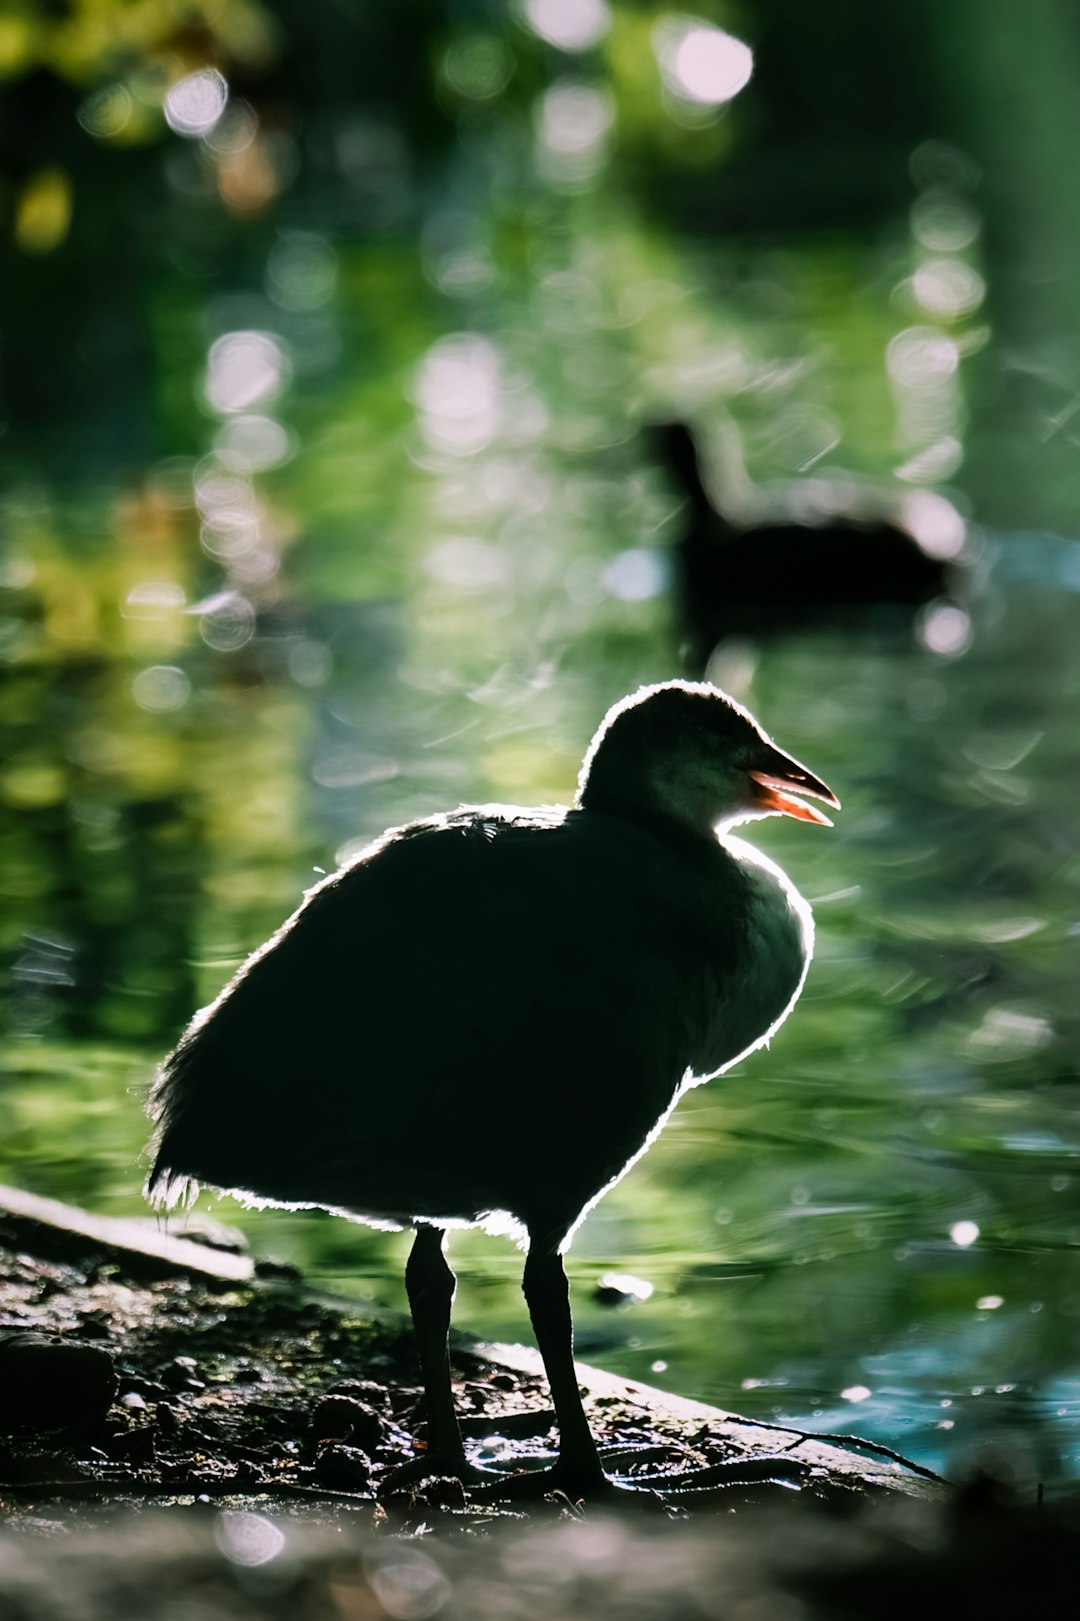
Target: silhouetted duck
{"type": "Point", "coordinates": [782, 574]}
{"type": "Point", "coordinates": [488, 1015]}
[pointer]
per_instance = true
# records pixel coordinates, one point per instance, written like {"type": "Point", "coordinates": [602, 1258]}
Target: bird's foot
{"type": "Point", "coordinates": [712, 1481]}
{"type": "Point", "coordinates": [428, 1466]}
{"type": "Point", "coordinates": [571, 1482]}
{"type": "Point", "coordinates": [589, 1484]}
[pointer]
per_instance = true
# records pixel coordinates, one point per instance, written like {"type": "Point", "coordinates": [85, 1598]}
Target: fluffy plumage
{"type": "Point", "coordinates": [489, 1014]}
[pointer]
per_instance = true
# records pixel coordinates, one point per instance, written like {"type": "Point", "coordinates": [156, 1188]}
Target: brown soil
{"type": "Point", "coordinates": [115, 1386]}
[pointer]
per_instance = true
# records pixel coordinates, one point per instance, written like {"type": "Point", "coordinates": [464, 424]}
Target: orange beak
{"type": "Point", "coordinates": [779, 778]}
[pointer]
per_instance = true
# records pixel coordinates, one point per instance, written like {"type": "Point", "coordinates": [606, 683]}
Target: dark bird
{"type": "Point", "coordinates": [842, 567]}
{"type": "Point", "coordinates": [488, 1016]}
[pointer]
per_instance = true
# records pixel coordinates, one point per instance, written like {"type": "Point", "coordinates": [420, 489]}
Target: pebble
{"type": "Point", "coordinates": [180, 1374]}
{"type": "Point", "coordinates": [343, 1468]}
{"type": "Point", "coordinates": [368, 1391]}
{"type": "Point", "coordinates": [346, 1419]}
{"type": "Point", "coordinates": [53, 1383]}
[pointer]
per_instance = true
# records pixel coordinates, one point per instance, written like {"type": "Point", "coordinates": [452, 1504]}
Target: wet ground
{"type": "Point", "coordinates": [177, 1441]}
{"type": "Point", "coordinates": [183, 1387]}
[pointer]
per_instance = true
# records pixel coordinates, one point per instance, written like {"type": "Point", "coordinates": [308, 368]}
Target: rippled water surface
{"type": "Point", "coordinates": [879, 1213]}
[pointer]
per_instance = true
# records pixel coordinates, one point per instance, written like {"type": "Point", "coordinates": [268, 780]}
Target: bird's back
{"type": "Point", "coordinates": [489, 1012]}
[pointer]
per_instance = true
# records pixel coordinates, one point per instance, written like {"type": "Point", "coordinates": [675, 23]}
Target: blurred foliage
{"type": "Point", "coordinates": [326, 505]}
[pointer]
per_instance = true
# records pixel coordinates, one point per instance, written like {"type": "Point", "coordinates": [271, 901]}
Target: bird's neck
{"type": "Point", "coordinates": [705, 516]}
{"type": "Point", "coordinates": [687, 826]}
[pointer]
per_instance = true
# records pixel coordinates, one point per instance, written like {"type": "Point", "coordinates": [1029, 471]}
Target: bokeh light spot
{"type": "Point", "coordinates": [408, 1584]}
{"type": "Point", "coordinates": [469, 565]}
{"type": "Point", "coordinates": [229, 534]}
{"type": "Point", "coordinates": [151, 598]}
{"type": "Point", "coordinates": [218, 491]}
{"type": "Point", "coordinates": [636, 574]}
{"type": "Point", "coordinates": [945, 628]}
{"type": "Point", "coordinates": [253, 444]}
{"type": "Point", "coordinates": [1009, 1033]}
{"type": "Point", "coordinates": [939, 460]}
{"type": "Point", "coordinates": [478, 66]}
{"type": "Point", "coordinates": [574, 122]}
{"type": "Point", "coordinates": [457, 391]}
{"type": "Point", "coordinates": [107, 112]}
{"type": "Point", "coordinates": [702, 63]}
{"type": "Point", "coordinates": [572, 25]}
{"type": "Point", "coordinates": [228, 625]}
{"type": "Point", "coordinates": [244, 369]}
{"type": "Point", "coordinates": [935, 523]}
{"type": "Point", "coordinates": [161, 688]}
{"type": "Point", "coordinates": [943, 222]}
{"type": "Point", "coordinates": [235, 130]}
{"type": "Point", "coordinates": [195, 103]}
{"type": "Point", "coordinates": [43, 211]}
{"type": "Point", "coordinates": [920, 355]}
{"type": "Point", "coordinates": [302, 272]}
{"type": "Point", "coordinates": [948, 287]}
{"type": "Point", "coordinates": [248, 1539]}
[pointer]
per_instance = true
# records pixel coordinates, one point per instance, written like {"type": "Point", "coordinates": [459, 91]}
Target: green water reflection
{"type": "Point", "coordinates": [371, 530]}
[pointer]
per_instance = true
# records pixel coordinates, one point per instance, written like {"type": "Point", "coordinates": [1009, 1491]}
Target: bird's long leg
{"type": "Point", "coordinates": [430, 1285]}
{"type": "Point", "coordinates": [547, 1294]}
{"type": "Point", "coordinates": [579, 1472]}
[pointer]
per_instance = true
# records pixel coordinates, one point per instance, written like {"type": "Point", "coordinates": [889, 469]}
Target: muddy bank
{"type": "Point", "coordinates": [140, 1370]}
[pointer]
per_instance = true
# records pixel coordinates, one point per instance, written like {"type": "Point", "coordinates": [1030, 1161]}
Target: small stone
{"type": "Point", "coordinates": [430, 1492]}
{"type": "Point", "coordinates": [343, 1468]}
{"type": "Point", "coordinates": [53, 1383]}
{"type": "Point", "coordinates": [136, 1447]}
{"type": "Point", "coordinates": [167, 1419]}
{"type": "Point", "coordinates": [368, 1391]}
{"type": "Point", "coordinates": [442, 1491]}
{"type": "Point", "coordinates": [343, 1418]}
{"type": "Point", "coordinates": [180, 1374]}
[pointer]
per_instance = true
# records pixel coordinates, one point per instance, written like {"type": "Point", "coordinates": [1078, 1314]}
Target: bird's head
{"type": "Point", "coordinates": [687, 751]}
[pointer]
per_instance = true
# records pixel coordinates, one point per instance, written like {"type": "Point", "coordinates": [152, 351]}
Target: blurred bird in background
{"type": "Point", "coordinates": [834, 567]}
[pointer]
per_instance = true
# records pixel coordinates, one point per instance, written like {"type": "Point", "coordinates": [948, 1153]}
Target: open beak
{"type": "Point", "coordinates": [777, 777]}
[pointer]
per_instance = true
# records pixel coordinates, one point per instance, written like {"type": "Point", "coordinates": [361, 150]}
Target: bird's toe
{"type": "Point", "coordinates": [568, 1485]}
{"type": "Point", "coordinates": [733, 1477]}
{"type": "Point", "coordinates": [429, 1467]}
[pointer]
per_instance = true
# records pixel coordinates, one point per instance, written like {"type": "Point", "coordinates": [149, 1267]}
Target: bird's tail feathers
{"type": "Point", "coordinates": [167, 1187]}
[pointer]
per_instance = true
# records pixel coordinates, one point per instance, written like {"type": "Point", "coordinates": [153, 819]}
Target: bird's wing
{"type": "Point", "coordinates": [473, 990]}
